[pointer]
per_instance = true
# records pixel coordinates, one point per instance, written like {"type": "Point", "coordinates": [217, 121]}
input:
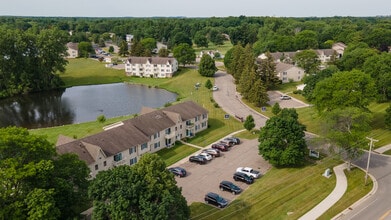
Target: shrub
{"type": "Point", "coordinates": [101, 118]}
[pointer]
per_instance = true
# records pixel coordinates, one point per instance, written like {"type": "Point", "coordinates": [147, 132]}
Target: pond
{"type": "Point", "coordinates": [80, 104]}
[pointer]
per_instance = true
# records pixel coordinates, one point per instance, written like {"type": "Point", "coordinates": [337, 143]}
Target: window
{"type": "Point", "coordinates": [132, 150]}
{"type": "Point", "coordinates": [96, 166]}
{"type": "Point", "coordinates": [197, 118]}
{"type": "Point", "coordinates": [188, 122]}
{"type": "Point", "coordinates": [203, 124]}
{"type": "Point", "coordinates": [180, 126]}
{"type": "Point", "coordinates": [118, 157]}
{"type": "Point", "coordinates": [284, 73]}
{"type": "Point", "coordinates": [168, 131]}
{"type": "Point", "coordinates": [157, 145]}
{"type": "Point", "coordinates": [104, 163]}
{"type": "Point", "coordinates": [133, 160]}
{"type": "Point", "coordinates": [156, 135]}
{"type": "Point", "coordinates": [144, 146]}
{"type": "Point", "coordinates": [204, 116]}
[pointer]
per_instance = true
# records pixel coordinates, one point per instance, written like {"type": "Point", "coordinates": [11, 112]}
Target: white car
{"type": "Point", "coordinates": [249, 171]}
{"type": "Point", "coordinates": [215, 88]}
{"type": "Point", "coordinates": [206, 156]}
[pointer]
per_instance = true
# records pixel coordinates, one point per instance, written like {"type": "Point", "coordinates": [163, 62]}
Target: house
{"type": "Point", "coordinates": [157, 67]}
{"type": "Point", "coordinates": [125, 142]}
{"type": "Point", "coordinates": [339, 48]}
{"type": "Point", "coordinates": [129, 38]}
{"type": "Point", "coordinates": [72, 50]}
{"type": "Point", "coordinates": [287, 72]}
{"type": "Point", "coordinates": [211, 53]}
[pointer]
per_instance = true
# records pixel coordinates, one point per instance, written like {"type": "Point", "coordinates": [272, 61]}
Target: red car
{"type": "Point", "coordinates": [220, 146]}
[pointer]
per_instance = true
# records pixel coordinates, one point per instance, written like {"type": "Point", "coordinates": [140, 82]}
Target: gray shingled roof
{"type": "Point", "coordinates": [187, 110]}
{"type": "Point", "coordinates": [152, 60]}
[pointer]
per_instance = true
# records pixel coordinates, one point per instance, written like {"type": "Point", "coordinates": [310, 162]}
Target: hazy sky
{"type": "Point", "coordinates": [195, 8]}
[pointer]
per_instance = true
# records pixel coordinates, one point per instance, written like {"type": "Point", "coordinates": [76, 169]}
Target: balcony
{"type": "Point", "coordinates": [189, 125]}
{"type": "Point", "coordinates": [119, 163]}
{"type": "Point", "coordinates": [170, 135]}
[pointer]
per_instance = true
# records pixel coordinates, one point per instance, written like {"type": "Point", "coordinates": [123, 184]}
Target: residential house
{"type": "Point", "coordinates": [129, 38]}
{"type": "Point", "coordinates": [157, 67]}
{"type": "Point", "coordinates": [72, 50]}
{"type": "Point", "coordinates": [125, 142]}
{"type": "Point", "coordinates": [339, 48]}
{"type": "Point", "coordinates": [211, 53]}
{"type": "Point", "coordinates": [287, 72]}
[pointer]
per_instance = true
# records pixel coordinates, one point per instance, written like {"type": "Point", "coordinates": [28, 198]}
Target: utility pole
{"type": "Point", "coordinates": [369, 156]}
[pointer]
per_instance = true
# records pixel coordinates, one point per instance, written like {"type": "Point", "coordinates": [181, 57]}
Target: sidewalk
{"type": "Point", "coordinates": [383, 149]}
{"type": "Point", "coordinates": [340, 188]}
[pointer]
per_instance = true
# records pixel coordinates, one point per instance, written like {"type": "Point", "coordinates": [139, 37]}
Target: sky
{"type": "Point", "coordinates": [195, 8]}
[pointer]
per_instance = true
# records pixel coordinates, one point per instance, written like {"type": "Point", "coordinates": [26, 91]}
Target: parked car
{"type": "Point", "coordinates": [213, 152]}
{"type": "Point", "coordinates": [220, 146]}
{"type": "Point", "coordinates": [238, 176]}
{"type": "Point", "coordinates": [285, 97]}
{"type": "Point", "coordinates": [206, 156]}
{"type": "Point", "coordinates": [215, 199]}
{"type": "Point", "coordinates": [235, 140]}
{"type": "Point", "coordinates": [249, 171]}
{"type": "Point", "coordinates": [229, 143]}
{"type": "Point", "coordinates": [215, 88]}
{"type": "Point", "coordinates": [197, 159]}
{"type": "Point", "coordinates": [229, 186]}
{"type": "Point", "coordinates": [178, 171]}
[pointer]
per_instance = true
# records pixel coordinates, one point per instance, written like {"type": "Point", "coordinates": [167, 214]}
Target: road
{"type": "Point", "coordinates": [377, 206]}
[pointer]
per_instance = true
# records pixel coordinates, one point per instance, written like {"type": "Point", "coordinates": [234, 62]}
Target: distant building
{"type": "Point", "coordinates": [72, 50]}
{"type": "Point", "coordinates": [129, 38]}
{"type": "Point", "coordinates": [157, 67]}
{"type": "Point", "coordinates": [123, 143]}
{"type": "Point", "coordinates": [287, 72]}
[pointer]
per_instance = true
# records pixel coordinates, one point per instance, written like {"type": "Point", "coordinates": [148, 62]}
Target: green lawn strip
{"type": "Point", "coordinates": [254, 134]}
{"type": "Point", "coordinates": [387, 152]}
{"type": "Point", "coordinates": [76, 130]}
{"type": "Point", "coordinates": [285, 193]}
{"type": "Point", "coordinates": [83, 71]}
{"type": "Point", "coordinates": [176, 153]}
{"type": "Point", "coordinates": [356, 190]}
{"type": "Point", "coordinates": [221, 48]}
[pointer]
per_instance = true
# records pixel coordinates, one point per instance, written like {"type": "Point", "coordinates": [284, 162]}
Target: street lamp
{"type": "Point", "coordinates": [369, 157]}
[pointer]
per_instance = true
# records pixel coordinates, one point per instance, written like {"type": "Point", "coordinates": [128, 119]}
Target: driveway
{"type": "Point", "coordinates": [205, 178]}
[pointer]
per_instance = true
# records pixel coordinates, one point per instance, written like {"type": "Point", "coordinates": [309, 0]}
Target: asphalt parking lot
{"type": "Point", "coordinates": [275, 97]}
{"type": "Point", "coordinates": [202, 179]}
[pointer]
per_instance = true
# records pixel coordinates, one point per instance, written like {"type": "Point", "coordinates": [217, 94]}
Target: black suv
{"type": "Point", "coordinates": [197, 159]}
{"type": "Point", "coordinates": [178, 171]}
{"type": "Point", "coordinates": [229, 186]}
{"type": "Point", "coordinates": [238, 176]}
{"type": "Point", "coordinates": [215, 199]}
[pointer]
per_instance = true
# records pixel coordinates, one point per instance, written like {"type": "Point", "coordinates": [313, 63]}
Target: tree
{"type": "Point", "coordinates": [344, 89]}
{"type": "Point", "coordinates": [123, 48]}
{"type": "Point", "coordinates": [85, 49]}
{"type": "Point", "coordinates": [306, 39]}
{"type": "Point", "coordinates": [311, 80]}
{"type": "Point", "coordinates": [276, 108]}
{"type": "Point", "coordinates": [181, 38]}
{"type": "Point", "coordinates": [147, 191]}
{"type": "Point", "coordinates": [208, 84]}
{"type": "Point", "coordinates": [379, 67]}
{"type": "Point", "coordinates": [163, 52]}
{"type": "Point", "coordinates": [216, 37]}
{"type": "Point", "coordinates": [267, 71]}
{"type": "Point", "coordinates": [387, 117]}
{"type": "Point", "coordinates": [281, 141]}
{"type": "Point", "coordinates": [184, 53]}
{"type": "Point", "coordinates": [346, 128]}
{"type": "Point", "coordinates": [148, 44]}
{"type": "Point", "coordinates": [200, 39]}
{"type": "Point", "coordinates": [35, 183]}
{"type": "Point", "coordinates": [111, 49]}
{"type": "Point", "coordinates": [249, 123]}
{"type": "Point", "coordinates": [207, 66]}
{"type": "Point", "coordinates": [355, 57]}
{"type": "Point", "coordinates": [308, 60]}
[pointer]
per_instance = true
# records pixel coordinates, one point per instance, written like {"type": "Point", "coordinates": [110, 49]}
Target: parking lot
{"type": "Point", "coordinates": [202, 179]}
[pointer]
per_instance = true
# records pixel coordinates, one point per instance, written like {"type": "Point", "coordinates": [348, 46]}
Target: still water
{"type": "Point", "coordinates": [80, 104]}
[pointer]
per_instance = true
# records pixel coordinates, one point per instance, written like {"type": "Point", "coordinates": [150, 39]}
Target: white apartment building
{"type": "Point", "coordinates": [156, 67]}
{"type": "Point", "coordinates": [125, 142]}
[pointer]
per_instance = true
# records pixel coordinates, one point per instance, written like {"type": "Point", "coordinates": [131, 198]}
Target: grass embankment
{"type": "Point", "coordinates": [285, 194]}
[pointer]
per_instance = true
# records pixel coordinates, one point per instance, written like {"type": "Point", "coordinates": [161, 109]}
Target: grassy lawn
{"type": "Point", "coordinates": [286, 193]}
{"type": "Point", "coordinates": [176, 153]}
{"type": "Point", "coordinates": [221, 48]}
{"type": "Point", "coordinates": [83, 71]}
{"type": "Point", "coordinates": [356, 190]}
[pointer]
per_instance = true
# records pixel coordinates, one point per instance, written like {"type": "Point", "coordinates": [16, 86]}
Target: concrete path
{"type": "Point", "coordinates": [383, 149]}
{"type": "Point", "coordinates": [340, 188]}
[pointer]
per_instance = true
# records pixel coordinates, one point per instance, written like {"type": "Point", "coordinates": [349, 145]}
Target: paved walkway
{"type": "Point", "coordinates": [340, 188]}
{"type": "Point", "coordinates": [383, 149]}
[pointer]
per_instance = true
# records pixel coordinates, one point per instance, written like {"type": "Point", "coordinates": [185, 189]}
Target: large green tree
{"type": "Point", "coordinates": [346, 128]}
{"type": "Point", "coordinates": [281, 140]}
{"type": "Point", "coordinates": [146, 190]}
{"type": "Point", "coordinates": [308, 60]}
{"type": "Point", "coordinates": [267, 71]}
{"type": "Point", "coordinates": [36, 184]}
{"type": "Point", "coordinates": [379, 67]}
{"type": "Point", "coordinates": [311, 80]}
{"type": "Point", "coordinates": [344, 89]}
{"type": "Point", "coordinates": [85, 49]}
{"type": "Point", "coordinates": [148, 43]}
{"type": "Point", "coordinates": [207, 66]}
{"type": "Point", "coordinates": [184, 53]}
{"type": "Point", "coordinates": [200, 39]}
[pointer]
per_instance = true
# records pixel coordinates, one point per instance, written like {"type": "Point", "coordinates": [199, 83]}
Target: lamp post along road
{"type": "Point", "coordinates": [369, 157]}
